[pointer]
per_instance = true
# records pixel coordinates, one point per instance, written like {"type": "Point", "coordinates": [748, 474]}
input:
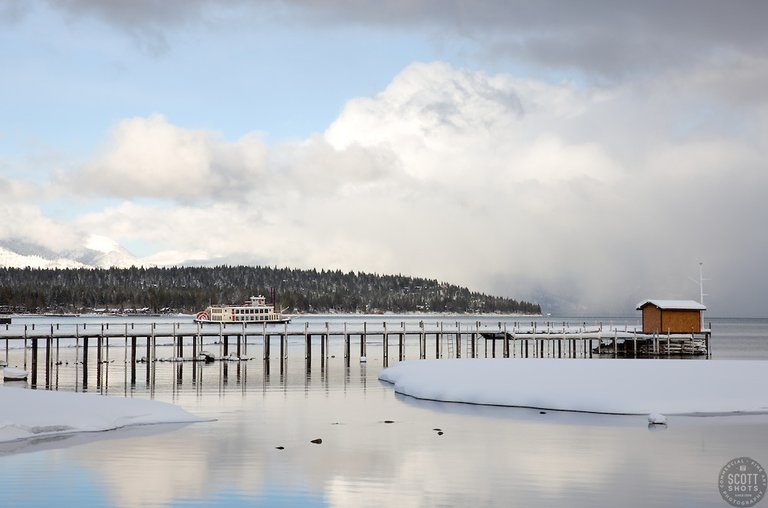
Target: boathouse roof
{"type": "Point", "coordinates": [672, 304]}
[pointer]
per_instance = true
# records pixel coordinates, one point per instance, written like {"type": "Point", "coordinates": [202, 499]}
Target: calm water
{"type": "Point", "coordinates": [486, 456]}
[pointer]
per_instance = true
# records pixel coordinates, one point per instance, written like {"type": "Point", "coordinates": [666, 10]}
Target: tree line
{"type": "Point", "coordinates": [188, 289]}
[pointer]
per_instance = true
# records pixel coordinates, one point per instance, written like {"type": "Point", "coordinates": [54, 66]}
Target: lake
{"type": "Point", "coordinates": [378, 448]}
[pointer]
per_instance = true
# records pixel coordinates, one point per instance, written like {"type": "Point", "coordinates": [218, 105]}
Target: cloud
{"type": "Point", "coordinates": [23, 222]}
{"type": "Point", "coordinates": [585, 198]}
{"type": "Point", "coordinates": [613, 40]}
{"type": "Point", "coordinates": [149, 157]}
{"type": "Point", "coordinates": [11, 11]}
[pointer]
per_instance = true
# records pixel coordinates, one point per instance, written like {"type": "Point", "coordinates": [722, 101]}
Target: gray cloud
{"type": "Point", "coordinates": [610, 39]}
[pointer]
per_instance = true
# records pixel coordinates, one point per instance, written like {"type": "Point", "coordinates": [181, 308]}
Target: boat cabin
{"type": "Point", "coordinates": [671, 316]}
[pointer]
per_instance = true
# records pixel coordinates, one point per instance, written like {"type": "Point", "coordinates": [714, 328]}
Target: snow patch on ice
{"type": "Point", "coordinates": [34, 413]}
{"type": "Point", "coordinates": [613, 386]}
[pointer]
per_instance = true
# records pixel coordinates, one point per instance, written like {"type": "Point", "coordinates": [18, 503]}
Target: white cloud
{"type": "Point", "coordinates": [150, 157]}
{"type": "Point", "coordinates": [598, 197]}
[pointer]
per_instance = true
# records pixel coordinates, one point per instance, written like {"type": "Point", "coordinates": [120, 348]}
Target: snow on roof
{"type": "Point", "coordinates": [615, 386]}
{"type": "Point", "coordinates": [672, 304]}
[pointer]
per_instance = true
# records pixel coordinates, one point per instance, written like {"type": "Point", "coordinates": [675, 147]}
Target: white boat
{"type": "Point", "coordinates": [255, 311]}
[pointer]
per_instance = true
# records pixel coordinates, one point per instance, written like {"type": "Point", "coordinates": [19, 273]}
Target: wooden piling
{"type": "Point", "coordinates": [33, 379]}
{"type": "Point", "coordinates": [363, 340]}
{"type": "Point", "coordinates": [133, 360]}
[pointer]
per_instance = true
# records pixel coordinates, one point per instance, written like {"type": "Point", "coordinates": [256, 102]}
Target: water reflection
{"type": "Point", "coordinates": [486, 456]}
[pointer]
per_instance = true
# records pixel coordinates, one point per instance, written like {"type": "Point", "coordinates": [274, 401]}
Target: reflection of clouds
{"type": "Point", "coordinates": [159, 469]}
{"type": "Point", "coordinates": [487, 457]}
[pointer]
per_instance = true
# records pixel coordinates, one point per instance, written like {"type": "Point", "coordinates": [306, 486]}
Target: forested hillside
{"type": "Point", "coordinates": [187, 289]}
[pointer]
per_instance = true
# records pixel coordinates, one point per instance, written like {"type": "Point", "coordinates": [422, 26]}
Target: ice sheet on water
{"type": "Point", "coordinates": [34, 413]}
{"type": "Point", "coordinates": [618, 386]}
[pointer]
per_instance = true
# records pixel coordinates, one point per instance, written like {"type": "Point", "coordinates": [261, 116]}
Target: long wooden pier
{"type": "Point", "coordinates": [440, 339]}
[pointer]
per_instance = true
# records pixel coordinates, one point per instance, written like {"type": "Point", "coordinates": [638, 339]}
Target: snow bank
{"type": "Point", "coordinates": [601, 386]}
{"type": "Point", "coordinates": [28, 413]}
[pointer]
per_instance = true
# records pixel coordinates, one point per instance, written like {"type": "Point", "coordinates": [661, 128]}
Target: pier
{"type": "Point", "coordinates": [140, 343]}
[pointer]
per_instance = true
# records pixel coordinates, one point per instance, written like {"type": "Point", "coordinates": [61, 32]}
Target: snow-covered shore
{"type": "Point", "coordinates": [28, 413]}
{"type": "Point", "coordinates": [613, 386]}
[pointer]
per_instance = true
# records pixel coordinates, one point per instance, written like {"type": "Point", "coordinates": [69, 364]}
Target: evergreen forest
{"type": "Point", "coordinates": [189, 289]}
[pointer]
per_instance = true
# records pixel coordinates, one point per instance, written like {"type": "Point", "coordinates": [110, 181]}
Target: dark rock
{"type": "Point", "coordinates": [317, 441]}
{"type": "Point", "coordinates": [440, 433]}
{"type": "Point", "coordinates": [280, 447]}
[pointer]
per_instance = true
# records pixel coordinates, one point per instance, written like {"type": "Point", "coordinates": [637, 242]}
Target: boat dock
{"type": "Point", "coordinates": [387, 341]}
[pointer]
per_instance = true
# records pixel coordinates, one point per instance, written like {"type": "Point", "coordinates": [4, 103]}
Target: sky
{"type": "Point", "coordinates": [584, 155]}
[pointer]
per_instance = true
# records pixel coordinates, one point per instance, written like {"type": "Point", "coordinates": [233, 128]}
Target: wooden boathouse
{"type": "Point", "coordinates": [671, 316]}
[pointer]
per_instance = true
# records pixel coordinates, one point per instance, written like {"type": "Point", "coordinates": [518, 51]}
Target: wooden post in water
{"type": "Point", "coordinates": [401, 343]}
{"type": "Point", "coordinates": [363, 339]}
{"type": "Point", "coordinates": [195, 338]}
{"type": "Point", "coordinates": [133, 360]}
{"type": "Point", "coordinates": [706, 344]}
{"type": "Point", "coordinates": [322, 346]}
{"type": "Point", "coordinates": [48, 344]}
{"type": "Point", "coordinates": [148, 356]}
{"type": "Point", "coordinates": [85, 361]}
{"type": "Point", "coordinates": [506, 341]}
{"type": "Point", "coordinates": [285, 340]}
{"type": "Point", "coordinates": [458, 340]}
{"type": "Point", "coordinates": [346, 343]}
{"type": "Point", "coordinates": [347, 346]}
{"type": "Point", "coordinates": [34, 362]}
{"type": "Point", "coordinates": [99, 340]}
{"type": "Point", "coordinates": [267, 344]}
{"type": "Point", "coordinates": [422, 341]}
{"type": "Point", "coordinates": [385, 346]}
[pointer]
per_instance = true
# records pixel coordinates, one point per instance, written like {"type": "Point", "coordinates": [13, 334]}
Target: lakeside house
{"type": "Point", "coordinates": [671, 316]}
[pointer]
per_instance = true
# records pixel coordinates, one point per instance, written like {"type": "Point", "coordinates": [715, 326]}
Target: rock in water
{"type": "Point", "coordinates": [317, 441]}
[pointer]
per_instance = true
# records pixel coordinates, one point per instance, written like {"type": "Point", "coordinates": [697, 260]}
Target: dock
{"type": "Point", "coordinates": [391, 341]}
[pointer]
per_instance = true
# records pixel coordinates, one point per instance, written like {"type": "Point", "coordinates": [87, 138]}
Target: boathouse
{"type": "Point", "coordinates": [671, 316]}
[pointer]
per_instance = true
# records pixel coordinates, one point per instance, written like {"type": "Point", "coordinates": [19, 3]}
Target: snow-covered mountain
{"type": "Point", "coordinates": [97, 252]}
